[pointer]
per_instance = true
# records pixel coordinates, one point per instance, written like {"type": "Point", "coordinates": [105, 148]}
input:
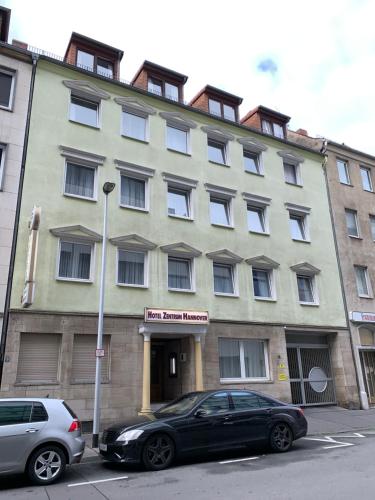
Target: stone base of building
{"type": "Point", "coordinates": [54, 355]}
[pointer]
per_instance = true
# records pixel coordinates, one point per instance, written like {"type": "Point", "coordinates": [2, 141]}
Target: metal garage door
{"type": "Point", "coordinates": [310, 374]}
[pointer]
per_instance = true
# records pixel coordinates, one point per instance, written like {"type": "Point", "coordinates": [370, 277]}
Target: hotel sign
{"type": "Point", "coordinates": [176, 316]}
{"type": "Point", "coordinates": [362, 317]}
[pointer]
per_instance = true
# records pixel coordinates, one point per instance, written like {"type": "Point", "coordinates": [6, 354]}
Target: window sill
{"type": "Point", "coordinates": [218, 163]}
{"type": "Point", "coordinates": [181, 217]}
{"type": "Point", "coordinates": [309, 304]}
{"type": "Point", "coordinates": [346, 184]}
{"type": "Point", "coordinates": [223, 226]}
{"type": "Point", "coordinates": [368, 190]}
{"type": "Point", "coordinates": [142, 141]}
{"type": "Point", "coordinates": [180, 290]}
{"type": "Point", "coordinates": [73, 280]}
{"type": "Point", "coordinates": [137, 209]}
{"type": "Point", "coordinates": [265, 299]}
{"type": "Point", "coordinates": [246, 380]}
{"type": "Point", "coordinates": [6, 108]}
{"type": "Point", "coordinates": [365, 297]}
{"type": "Point", "coordinates": [33, 384]}
{"type": "Point", "coordinates": [301, 241]}
{"type": "Point", "coordinates": [260, 233]}
{"type": "Point", "coordinates": [94, 127]}
{"type": "Point", "coordinates": [229, 295]}
{"type": "Point", "coordinates": [183, 153]}
{"type": "Point", "coordinates": [355, 237]}
{"type": "Point", "coordinates": [77, 197]}
{"type": "Point", "coordinates": [127, 285]}
{"type": "Point", "coordinates": [294, 184]}
{"type": "Point", "coordinates": [259, 174]}
{"type": "Point", "coordinates": [87, 382]}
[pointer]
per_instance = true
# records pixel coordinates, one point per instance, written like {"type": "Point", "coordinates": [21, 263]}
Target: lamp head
{"type": "Point", "coordinates": [108, 187]}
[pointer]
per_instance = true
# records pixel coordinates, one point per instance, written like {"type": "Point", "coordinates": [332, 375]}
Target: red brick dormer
{"type": "Point", "coordinates": [92, 55]}
{"type": "Point", "coordinates": [4, 23]}
{"type": "Point", "coordinates": [217, 102]}
{"type": "Point", "coordinates": [269, 121]}
{"type": "Point", "coordinates": [160, 81]}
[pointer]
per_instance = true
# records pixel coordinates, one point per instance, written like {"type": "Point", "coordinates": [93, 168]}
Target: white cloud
{"type": "Point", "coordinates": [324, 51]}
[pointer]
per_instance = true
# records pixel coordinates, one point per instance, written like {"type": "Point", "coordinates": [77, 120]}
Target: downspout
{"type": "Point", "coordinates": [4, 331]}
{"type": "Point", "coordinates": [357, 363]}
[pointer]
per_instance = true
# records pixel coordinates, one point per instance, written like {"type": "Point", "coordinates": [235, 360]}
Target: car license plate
{"type": "Point", "coordinates": [102, 447]}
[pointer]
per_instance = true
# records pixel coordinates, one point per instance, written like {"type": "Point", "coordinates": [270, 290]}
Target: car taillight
{"type": "Point", "coordinates": [75, 425]}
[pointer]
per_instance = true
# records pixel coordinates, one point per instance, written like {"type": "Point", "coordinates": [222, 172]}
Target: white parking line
{"type": "Point", "coordinates": [335, 442]}
{"type": "Point", "coordinates": [237, 460]}
{"type": "Point", "coordinates": [98, 481]}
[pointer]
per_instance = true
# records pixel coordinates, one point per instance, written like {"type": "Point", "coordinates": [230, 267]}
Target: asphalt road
{"type": "Point", "coordinates": [319, 467]}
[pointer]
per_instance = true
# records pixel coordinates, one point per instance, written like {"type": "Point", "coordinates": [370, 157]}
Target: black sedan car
{"type": "Point", "coordinates": [200, 422]}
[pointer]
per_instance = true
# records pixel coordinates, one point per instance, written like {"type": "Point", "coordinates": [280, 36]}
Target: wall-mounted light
{"type": "Point", "coordinates": [173, 364]}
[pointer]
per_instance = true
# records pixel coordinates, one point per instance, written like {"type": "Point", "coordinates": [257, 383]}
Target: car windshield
{"type": "Point", "coordinates": [179, 406]}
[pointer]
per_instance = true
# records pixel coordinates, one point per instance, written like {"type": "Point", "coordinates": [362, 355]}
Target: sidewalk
{"type": "Point", "coordinates": [321, 420]}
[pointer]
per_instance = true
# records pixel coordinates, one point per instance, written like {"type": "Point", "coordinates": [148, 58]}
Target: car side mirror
{"type": "Point", "coordinates": [200, 413]}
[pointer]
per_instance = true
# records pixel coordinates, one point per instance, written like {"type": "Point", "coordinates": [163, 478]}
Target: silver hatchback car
{"type": "Point", "coordinates": [38, 437]}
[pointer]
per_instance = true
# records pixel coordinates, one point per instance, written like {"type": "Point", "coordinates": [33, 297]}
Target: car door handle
{"type": "Point", "coordinates": [29, 431]}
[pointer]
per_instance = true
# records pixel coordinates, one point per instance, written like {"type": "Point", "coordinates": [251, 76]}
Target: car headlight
{"type": "Point", "coordinates": [129, 435]}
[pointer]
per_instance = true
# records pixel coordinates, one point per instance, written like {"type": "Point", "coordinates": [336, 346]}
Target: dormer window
{"type": "Point", "coordinates": [165, 89]}
{"type": "Point", "coordinates": [217, 102]}
{"type": "Point", "coordinates": [92, 55]}
{"type": "Point", "coordinates": [90, 62]}
{"type": "Point", "coordinates": [220, 109]}
{"type": "Point", "coordinates": [273, 129]}
{"type": "Point", "coordinates": [160, 81]}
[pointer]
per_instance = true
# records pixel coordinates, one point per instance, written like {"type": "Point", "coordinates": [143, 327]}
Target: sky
{"type": "Point", "coordinates": [313, 61]}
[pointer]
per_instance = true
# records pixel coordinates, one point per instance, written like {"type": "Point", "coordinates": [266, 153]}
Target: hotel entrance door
{"type": "Point", "coordinates": [156, 389]}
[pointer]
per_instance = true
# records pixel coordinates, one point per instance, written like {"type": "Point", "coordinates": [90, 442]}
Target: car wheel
{"type": "Point", "coordinates": [158, 452]}
{"type": "Point", "coordinates": [281, 437]}
{"type": "Point", "coordinates": [46, 465]}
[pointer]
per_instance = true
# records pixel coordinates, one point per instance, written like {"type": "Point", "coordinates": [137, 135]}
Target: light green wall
{"type": "Point", "coordinates": [43, 186]}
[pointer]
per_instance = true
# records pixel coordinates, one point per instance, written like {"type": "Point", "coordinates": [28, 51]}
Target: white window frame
{"type": "Point", "coordinates": [182, 184]}
{"type": "Point", "coordinates": [302, 213]}
{"type": "Point", "coordinates": [181, 128]}
{"type": "Point", "coordinates": [3, 148]}
{"type": "Point", "coordinates": [292, 158]}
{"type": "Point", "coordinates": [145, 267]}
{"type": "Point", "coordinates": [192, 288]}
{"type": "Point", "coordinates": [262, 203]}
{"type": "Point", "coordinates": [81, 164]}
{"type": "Point", "coordinates": [255, 147]}
{"type": "Point", "coordinates": [346, 166]}
{"type": "Point", "coordinates": [13, 74]}
{"type": "Point", "coordinates": [369, 295]}
{"type": "Point", "coordinates": [296, 171]}
{"type": "Point", "coordinates": [138, 172]}
{"type": "Point", "coordinates": [91, 100]}
{"type": "Point", "coordinates": [140, 114]}
{"type": "Point", "coordinates": [354, 212]}
{"type": "Point", "coordinates": [219, 135]}
{"type": "Point", "coordinates": [69, 239]}
{"type": "Point", "coordinates": [271, 283]}
{"type": "Point", "coordinates": [259, 162]}
{"type": "Point", "coordinates": [188, 195]}
{"type": "Point", "coordinates": [368, 173]}
{"type": "Point", "coordinates": [243, 377]}
{"type": "Point", "coordinates": [234, 273]}
{"type": "Point", "coordinates": [314, 289]}
{"type": "Point", "coordinates": [222, 194]}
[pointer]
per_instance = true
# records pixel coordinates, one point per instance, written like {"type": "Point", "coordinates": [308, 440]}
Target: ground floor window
{"type": "Point", "coordinates": [38, 359]}
{"type": "Point", "coordinates": [84, 360]}
{"type": "Point", "coordinates": [243, 359]}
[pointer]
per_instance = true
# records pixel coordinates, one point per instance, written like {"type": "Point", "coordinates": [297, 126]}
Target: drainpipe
{"type": "Point", "coordinates": [16, 221]}
{"type": "Point", "coordinates": [357, 363]}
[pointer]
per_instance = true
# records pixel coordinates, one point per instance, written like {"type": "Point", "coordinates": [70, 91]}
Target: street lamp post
{"type": "Point", "coordinates": [108, 187]}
